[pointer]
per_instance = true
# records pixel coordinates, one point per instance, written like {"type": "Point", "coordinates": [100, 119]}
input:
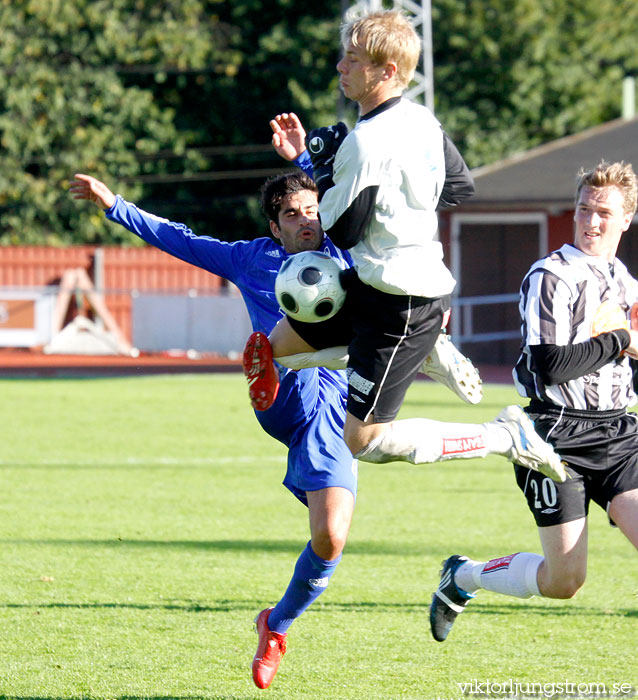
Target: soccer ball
{"type": "Point", "coordinates": [308, 287]}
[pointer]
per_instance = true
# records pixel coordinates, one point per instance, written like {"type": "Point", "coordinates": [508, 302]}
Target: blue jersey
{"type": "Point", "coordinates": [309, 411]}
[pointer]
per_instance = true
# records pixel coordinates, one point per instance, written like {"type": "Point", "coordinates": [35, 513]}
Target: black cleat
{"type": "Point", "coordinates": [448, 600]}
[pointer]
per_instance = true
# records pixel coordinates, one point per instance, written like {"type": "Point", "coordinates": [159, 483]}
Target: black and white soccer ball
{"type": "Point", "coordinates": [308, 287]}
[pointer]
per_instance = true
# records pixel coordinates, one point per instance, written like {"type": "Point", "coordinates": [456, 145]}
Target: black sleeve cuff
{"type": "Point", "coordinates": [558, 364]}
{"type": "Point", "coordinates": [623, 337]}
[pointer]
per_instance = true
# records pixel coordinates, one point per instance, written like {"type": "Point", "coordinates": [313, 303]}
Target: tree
{"type": "Point", "coordinates": [150, 96]}
{"type": "Point", "coordinates": [66, 106]}
{"type": "Point", "coordinates": [282, 57]}
{"type": "Point", "coordinates": [169, 102]}
{"type": "Point", "coordinates": [512, 75]}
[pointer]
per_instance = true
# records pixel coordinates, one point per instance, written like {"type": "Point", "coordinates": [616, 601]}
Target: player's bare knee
{"type": "Point", "coordinates": [329, 539]}
{"type": "Point", "coordinates": [284, 340]}
{"type": "Point", "coordinates": [354, 445]}
{"type": "Point", "coordinates": [328, 543]}
{"type": "Point", "coordinates": [565, 591]}
{"type": "Point", "coordinates": [354, 439]}
{"type": "Point", "coordinates": [564, 586]}
{"type": "Point", "coordinates": [358, 435]}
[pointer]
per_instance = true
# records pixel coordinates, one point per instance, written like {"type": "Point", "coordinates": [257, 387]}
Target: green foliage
{"type": "Point", "coordinates": [65, 105]}
{"type": "Point", "coordinates": [284, 55]}
{"type": "Point", "coordinates": [144, 525]}
{"type": "Point", "coordinates": [169, 102]}
{"type": "Point", "coordinates": [510, 76]}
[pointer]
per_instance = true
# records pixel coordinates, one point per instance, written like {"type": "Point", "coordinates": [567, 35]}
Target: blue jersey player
{"type": "Point", "coordinates": [309, 411]}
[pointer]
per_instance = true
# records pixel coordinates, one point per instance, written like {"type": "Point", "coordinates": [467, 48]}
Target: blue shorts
{"type": "Point", "coordinates": [308, 417]}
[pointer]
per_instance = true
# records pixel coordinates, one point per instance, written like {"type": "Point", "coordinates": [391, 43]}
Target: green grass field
{"type": "Point", "coordinates": [143, 524]}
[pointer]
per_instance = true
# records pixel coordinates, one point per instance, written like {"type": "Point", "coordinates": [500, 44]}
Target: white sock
{"type": "Point", "coordinates": [464, 576]}
{"type": "Point", "coordinates": [331, 358]}
{"type": "Point", "coordinates": [421, 440]}
{"type": "Point", "coordinates": [498, 439]}
{"type": "Point", "coordinates": [515, 575]}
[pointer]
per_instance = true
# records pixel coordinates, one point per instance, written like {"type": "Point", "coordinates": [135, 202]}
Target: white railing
{"type": "Point", "coordinates": [462, 321]}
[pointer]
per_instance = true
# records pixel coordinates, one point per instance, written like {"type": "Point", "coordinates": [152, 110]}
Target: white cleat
{"type": "Point", "coordinates": [529, 449]}
{"type": "Point", "coordinates": [446, 364]}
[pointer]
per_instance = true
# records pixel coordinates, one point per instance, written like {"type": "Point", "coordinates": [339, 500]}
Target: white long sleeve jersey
{"type": "Point", "coordinates": [397, 150]}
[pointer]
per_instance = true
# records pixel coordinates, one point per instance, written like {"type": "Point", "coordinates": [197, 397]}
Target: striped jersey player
{"type": "Point", "coordinates": [561, 296]}
{"type": "Point", "coordinates": [579, 312]}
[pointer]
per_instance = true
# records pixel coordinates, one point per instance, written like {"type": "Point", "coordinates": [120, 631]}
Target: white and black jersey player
{"type": "Point", "coordinates": [388, 176]}
{"type": "Point", "coordinates": [380, 186]}
{"type": "Point", "coordinates": [562, 297]}
{"type": "Point", "coordinates": [578, 309]}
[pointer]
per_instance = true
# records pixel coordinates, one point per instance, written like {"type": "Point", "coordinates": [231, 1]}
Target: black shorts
{"type": "Point", "coordinates": [388, 338]}
{"type": "Point", "coordinates": [601, 452]}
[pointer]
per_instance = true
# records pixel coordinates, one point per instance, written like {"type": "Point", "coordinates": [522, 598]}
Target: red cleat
{"type": "Point", "coordinates": [263, 380]}
{"type": "Point", "coordinates": [270, 651]}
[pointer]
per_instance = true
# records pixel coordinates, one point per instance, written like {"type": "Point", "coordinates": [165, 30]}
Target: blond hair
{"type": "Point", "coordinates": [386, 36]}
{"type": "Point", "coordinates": [620, 175]}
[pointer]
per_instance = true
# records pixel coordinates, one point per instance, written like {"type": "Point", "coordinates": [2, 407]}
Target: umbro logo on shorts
{"type": "Point", "coordinates": [316, 144]}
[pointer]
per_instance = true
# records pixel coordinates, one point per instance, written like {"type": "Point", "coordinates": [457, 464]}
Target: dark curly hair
{"type": "Point", "coordinates": [274, 190]}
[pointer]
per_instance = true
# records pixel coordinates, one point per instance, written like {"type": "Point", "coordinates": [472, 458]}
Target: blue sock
{"type": "Point", "coordinates": [309, 581]}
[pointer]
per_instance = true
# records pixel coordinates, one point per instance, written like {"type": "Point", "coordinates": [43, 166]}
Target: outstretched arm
{"type": "Point", "coordinates": [87, 187]}
{"type": "Point", "coordinates": [289, 136]}
{"type": "Point", "coordinates": [176, 239]}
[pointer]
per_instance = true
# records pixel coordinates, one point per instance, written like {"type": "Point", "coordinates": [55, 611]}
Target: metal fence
{"type": "Point", "coordinates": [463, 324]}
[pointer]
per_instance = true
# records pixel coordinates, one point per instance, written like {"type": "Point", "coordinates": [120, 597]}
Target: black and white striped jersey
{"type": "Point", "coordinates": [559, 298]}
{"type": "Point", "coordinates": [390, 170]}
